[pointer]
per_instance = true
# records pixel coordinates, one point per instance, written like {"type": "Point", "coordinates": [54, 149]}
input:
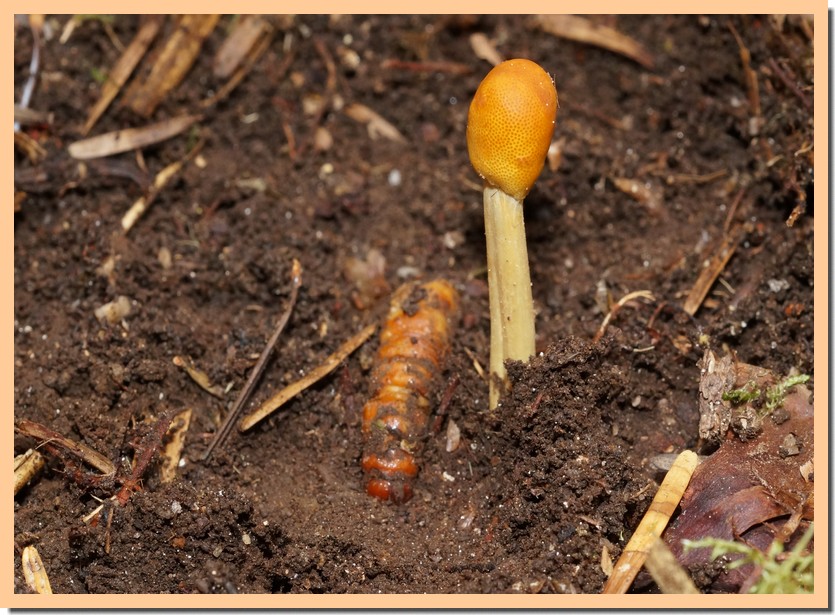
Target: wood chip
{"type": "Point", "coordinates": [34, 571]}
{"type": "Point", "coordinates": [173, 63]}
{"type": "Point", "coordinates": [129, 139]}
{"type": "Point", "coordinates": [586, 31]}
{"type": "Point", "coordinates": [376, 124]}
{"type": "Point", "coordinates": [124, 68]}
{"type": "Point", "coordinates": [114, 311]}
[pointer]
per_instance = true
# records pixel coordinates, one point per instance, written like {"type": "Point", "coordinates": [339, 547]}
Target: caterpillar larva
{"type": "Point", "coordinates": [413, 345]}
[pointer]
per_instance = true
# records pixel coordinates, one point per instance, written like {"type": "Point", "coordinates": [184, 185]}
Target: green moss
{"type": "Point", "coordinates": [775, 395]}
{"type": "Point", "coordinates": [779, 573]}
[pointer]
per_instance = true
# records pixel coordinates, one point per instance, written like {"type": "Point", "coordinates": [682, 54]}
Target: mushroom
{"type": "Point", "coordinates": [509, 130]}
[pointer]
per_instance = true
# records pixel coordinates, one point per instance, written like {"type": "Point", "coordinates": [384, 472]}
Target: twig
{"type": "Point", "coordinates": [263, 33]}
{"type": "Point", "coordinates": [246, 391]}
{"type": "Point", "coordinates": [77, 449]}
{"type": "Point", "coordinates": [176, 58]}
{"type": "Point", "coordinates": [123, 69]}
{"type": "Point", "coordinates": [446, 399]}
{"type": "Point", "coordinates": [638, 294]}
{"type": "Point", "coordinates": [652, 525]}
{"type": "Point", "coordinates": [453, 68]}
{"type": "Point", "coordinates": [750, 74]}
{"type": "Point", "coordinates": [290, 391]}
{"type": "Point", "coordinates": [162, 178]}
{"type": "Point", "coordinates": [729, 218]}
{"type": "Point", "coordinates": [789, 83]}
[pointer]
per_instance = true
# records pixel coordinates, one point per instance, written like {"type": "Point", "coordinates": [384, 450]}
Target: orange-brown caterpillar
{"type": "Point", "coordinates": [413, 344]}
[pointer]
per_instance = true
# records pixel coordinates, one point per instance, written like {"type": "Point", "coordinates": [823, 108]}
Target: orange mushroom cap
{"type": "Point", "coordinates": [510, 125]}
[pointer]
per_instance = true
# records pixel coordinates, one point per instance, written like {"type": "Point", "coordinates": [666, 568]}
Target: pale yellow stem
{"type": "Point", "coordinates": [512, 334]}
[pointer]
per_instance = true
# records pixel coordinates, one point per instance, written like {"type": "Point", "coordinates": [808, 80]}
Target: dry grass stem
{"type": "Point", "coordinates": [255, 374]}
{"type": "Point", "coordinates": [652, 525]}
{"type": "Point", "coordinates": [120, 141]}
{"type": "Point", "coordinates": [290, 391]}
{"type": "Point", "coordinates": [714, 268]}
{"type": "Point", "coordinates": [26, 467]}
{"type": "Point", "coordinates": [123, 69]}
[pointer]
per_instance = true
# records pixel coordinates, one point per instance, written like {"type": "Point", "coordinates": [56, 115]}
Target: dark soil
{"type": "Point", "coordinates": [535, 491]}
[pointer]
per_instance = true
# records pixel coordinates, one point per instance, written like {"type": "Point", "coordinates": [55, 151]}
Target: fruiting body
{"type": "Point", "coordinates": [509, 130]}
{"type": "Point", "coordinates": [511, 122]}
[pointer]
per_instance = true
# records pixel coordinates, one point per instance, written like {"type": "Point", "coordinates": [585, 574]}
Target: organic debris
{"type": "Point", "coordinates": [584, 30]}
{"type": "Point", "coordinates": [173, 63]}
{"type": "Point", "coordinates": [751, 486]}
{"type": "Point", "coordinates": [123, 69]}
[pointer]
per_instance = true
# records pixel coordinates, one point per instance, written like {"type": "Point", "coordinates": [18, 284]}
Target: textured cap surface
{"type": "Point", "coordinates": [510, 125]}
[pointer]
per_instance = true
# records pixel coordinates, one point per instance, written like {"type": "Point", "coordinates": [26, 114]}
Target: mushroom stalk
{"type": "Point", "coordinates": [509, 130]}
{"type": "Point", "coordinates": [512, 331]}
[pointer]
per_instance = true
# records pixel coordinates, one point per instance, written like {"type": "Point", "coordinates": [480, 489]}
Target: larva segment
{"type": "Point", "coordinates": [413, 345]}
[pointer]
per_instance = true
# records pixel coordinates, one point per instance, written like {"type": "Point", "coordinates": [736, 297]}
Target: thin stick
{"type": "Point", "coordinates": [638, 294]}
{"type": "Point", "coordinates": [77, 449]}
{"type": "Point", "coordinates": [714, 268]}
{"type": "Point", "coordinates": [291, 390]}
{"type": "Point", "coordinates": [162, 178]}
{"type": "Point", "coordinates": [653, 524]}
{"type": "Point", "coordinates": [243, 396]}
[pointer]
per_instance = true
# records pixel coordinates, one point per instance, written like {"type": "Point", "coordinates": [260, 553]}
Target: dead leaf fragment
{"type": "Point", "coordinates": [238, 44]}
{"type": "Point", "coordinates": [375, 123]}
{"type": "Point", "coordinates": [120, 141]}
{"type": "Point", "coordinates": [173, 451]}
{"type": "Point", "coordinates": [748, 489]}
{"type": "Point", "coordinates": [584, 30]}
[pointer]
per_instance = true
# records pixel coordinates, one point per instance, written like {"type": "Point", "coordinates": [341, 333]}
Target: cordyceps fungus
{"type": "Point", "coordinates": [509, 130]}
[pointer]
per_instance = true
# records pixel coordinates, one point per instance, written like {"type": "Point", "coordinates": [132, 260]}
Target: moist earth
{"type": "Point", "coordinates": [528, 498]}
